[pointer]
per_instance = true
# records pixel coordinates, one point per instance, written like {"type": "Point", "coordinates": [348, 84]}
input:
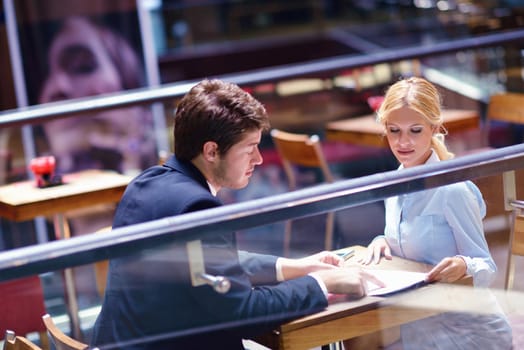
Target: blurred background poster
{"type": "Point", "coordinates": [65, 50]}
{"type": "Point", "coordinates": [74, 49]}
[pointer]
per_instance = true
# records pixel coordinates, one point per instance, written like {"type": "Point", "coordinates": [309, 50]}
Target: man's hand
{"type": "Point", "coordinates": [293, 268]}
{"type": "Point", "coordinates": [324, 257]}
{"type": "Point", "coordinates": [351, 281]}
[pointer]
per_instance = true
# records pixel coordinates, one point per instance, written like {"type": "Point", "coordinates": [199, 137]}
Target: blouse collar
{"type": "Point", "coordinates": [433, 158]}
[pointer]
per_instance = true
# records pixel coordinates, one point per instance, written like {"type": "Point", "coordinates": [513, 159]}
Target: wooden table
{"type": "Point", "coordinates": [24, 201]}
{"type": "Point", "coordinates": [366, 131]}
{"type": "Point", "coordinates": [350, 319]}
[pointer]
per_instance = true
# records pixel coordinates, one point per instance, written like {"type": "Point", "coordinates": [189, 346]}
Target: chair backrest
{"type": "Point", "coordinates": [302, 150]}
{"type": "Point", "coordinates": [14, 342]}
{"type": "Point", "coordinates": [516, 241]}
{"type": "Point", "coordinates": [22, 306]}
{"type": "Point", "coordinates": [61, 340]}
{"type": "Point", "coordinates": [506, 107]}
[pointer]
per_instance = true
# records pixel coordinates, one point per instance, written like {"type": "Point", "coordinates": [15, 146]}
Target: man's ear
{"type": "Point", "coordinates": [210, 151]}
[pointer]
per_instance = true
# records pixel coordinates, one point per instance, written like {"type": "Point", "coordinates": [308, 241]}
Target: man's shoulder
{"type": "Point", "coordinates": [160, 192]}
{"type": "Point", "coordinates": [162, 176]}
{"type": "Point", "coordinates": [163, 186]}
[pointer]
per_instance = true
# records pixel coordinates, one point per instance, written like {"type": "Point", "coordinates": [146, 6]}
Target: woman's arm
{"type": "Point", "coordinates": [464, 210]}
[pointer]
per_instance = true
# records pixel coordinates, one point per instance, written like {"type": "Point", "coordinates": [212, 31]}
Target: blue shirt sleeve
{"type": "Point", "coordinates": [464, 210]}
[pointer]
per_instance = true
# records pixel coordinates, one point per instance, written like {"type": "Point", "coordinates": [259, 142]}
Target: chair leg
{"type": "Point", "coordinates": [44, 340]}
{"type": "Point", "coordinates": [511, 261]}
{"type": "Point", "coordinates": [330, 226]}
{"type": "Point", "coordinates": [287, 238]}
{"type": "Point", "coordinates": [328, 240]}
{"type": "Point", "coordinates": [510, 272]}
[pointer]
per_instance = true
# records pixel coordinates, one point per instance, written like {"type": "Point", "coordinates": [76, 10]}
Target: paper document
{"type": "Point", "coordinates": [395, 280]}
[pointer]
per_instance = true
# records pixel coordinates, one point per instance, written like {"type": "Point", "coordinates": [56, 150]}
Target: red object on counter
{"type": "Point", "coordinates": [44, 170]}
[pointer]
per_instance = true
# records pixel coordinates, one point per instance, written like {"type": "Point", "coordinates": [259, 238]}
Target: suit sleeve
{"type": "Point", "coordinates": [266, 305]}
{"type": "Point", "coordinates": [260, 268]}
{"type": "Point", "coordinates": [255, 294]}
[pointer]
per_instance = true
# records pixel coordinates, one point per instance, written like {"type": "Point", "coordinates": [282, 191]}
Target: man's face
{"type": "Point", "coordinates": [234, 169]}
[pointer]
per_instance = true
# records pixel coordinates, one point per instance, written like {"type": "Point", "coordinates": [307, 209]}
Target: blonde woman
{"type": "Point", "coordinates": [439, 226]}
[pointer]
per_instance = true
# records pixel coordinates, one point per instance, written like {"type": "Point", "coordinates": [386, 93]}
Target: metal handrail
{"type": "Point", "coordinates": [44, 112]}
{"type": "Point", "coordinates": [517, 204]}
{"type": "Point", "coordinates": [306, 202]}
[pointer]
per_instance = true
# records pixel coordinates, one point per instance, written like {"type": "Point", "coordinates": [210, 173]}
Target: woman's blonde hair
{"type": "Point", "coordinates": [423, 97]}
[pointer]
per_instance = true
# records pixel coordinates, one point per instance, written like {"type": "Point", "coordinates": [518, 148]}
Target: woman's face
{"type": "Point", "coordinates": [79, 65]}
{"type": "Point", "coordinates": [409, 136]}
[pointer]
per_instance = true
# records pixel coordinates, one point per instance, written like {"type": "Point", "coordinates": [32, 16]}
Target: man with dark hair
{"type": "Point", "coordinates": [218, 128]}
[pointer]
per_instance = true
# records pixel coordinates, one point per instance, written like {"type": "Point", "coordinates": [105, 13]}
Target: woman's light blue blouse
{"type": "Point", "coordinates": [430, 225]}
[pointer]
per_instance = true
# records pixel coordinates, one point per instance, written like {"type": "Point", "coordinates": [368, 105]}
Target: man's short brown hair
{"type": "Point", "coordinates": [214, 110]}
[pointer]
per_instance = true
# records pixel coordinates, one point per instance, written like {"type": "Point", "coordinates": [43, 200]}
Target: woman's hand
{"type": "Point", "coordinates": [448, 270]}
{"type": "Point", "coordinates": [375, 250]}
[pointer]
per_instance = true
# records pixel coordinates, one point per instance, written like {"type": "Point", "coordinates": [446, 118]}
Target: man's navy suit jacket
{"type": "Point", "coordinates": [149, 295]}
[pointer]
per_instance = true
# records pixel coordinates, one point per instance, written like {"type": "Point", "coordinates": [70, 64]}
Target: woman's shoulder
{"type": "Point", "coordinates": [457, 193]}
{"type": "Point", "coordinates": [460, 193]}
{"type": "Point", "coordinates": [463, 187]}
{"type": "Point", "coordinates": [455, 188]}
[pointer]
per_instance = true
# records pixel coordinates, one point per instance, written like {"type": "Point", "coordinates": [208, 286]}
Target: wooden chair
{"type": "Point", "coordinates": [507, 107]}
{"type": "Point", "coordinates": [502, 109]}
{"type": "Point", "coordinates": [302, 150]}
{"type": "Point", "coordinates": [14, 342]}
{"type": "Point", "coordinates": [516, 240]}
{"type": "Point", "coordinates": [22, 306]}
{"type": "Point", "coordinates": [61, 340]}
{"type": "Point", "coordinates": [516, 248]}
